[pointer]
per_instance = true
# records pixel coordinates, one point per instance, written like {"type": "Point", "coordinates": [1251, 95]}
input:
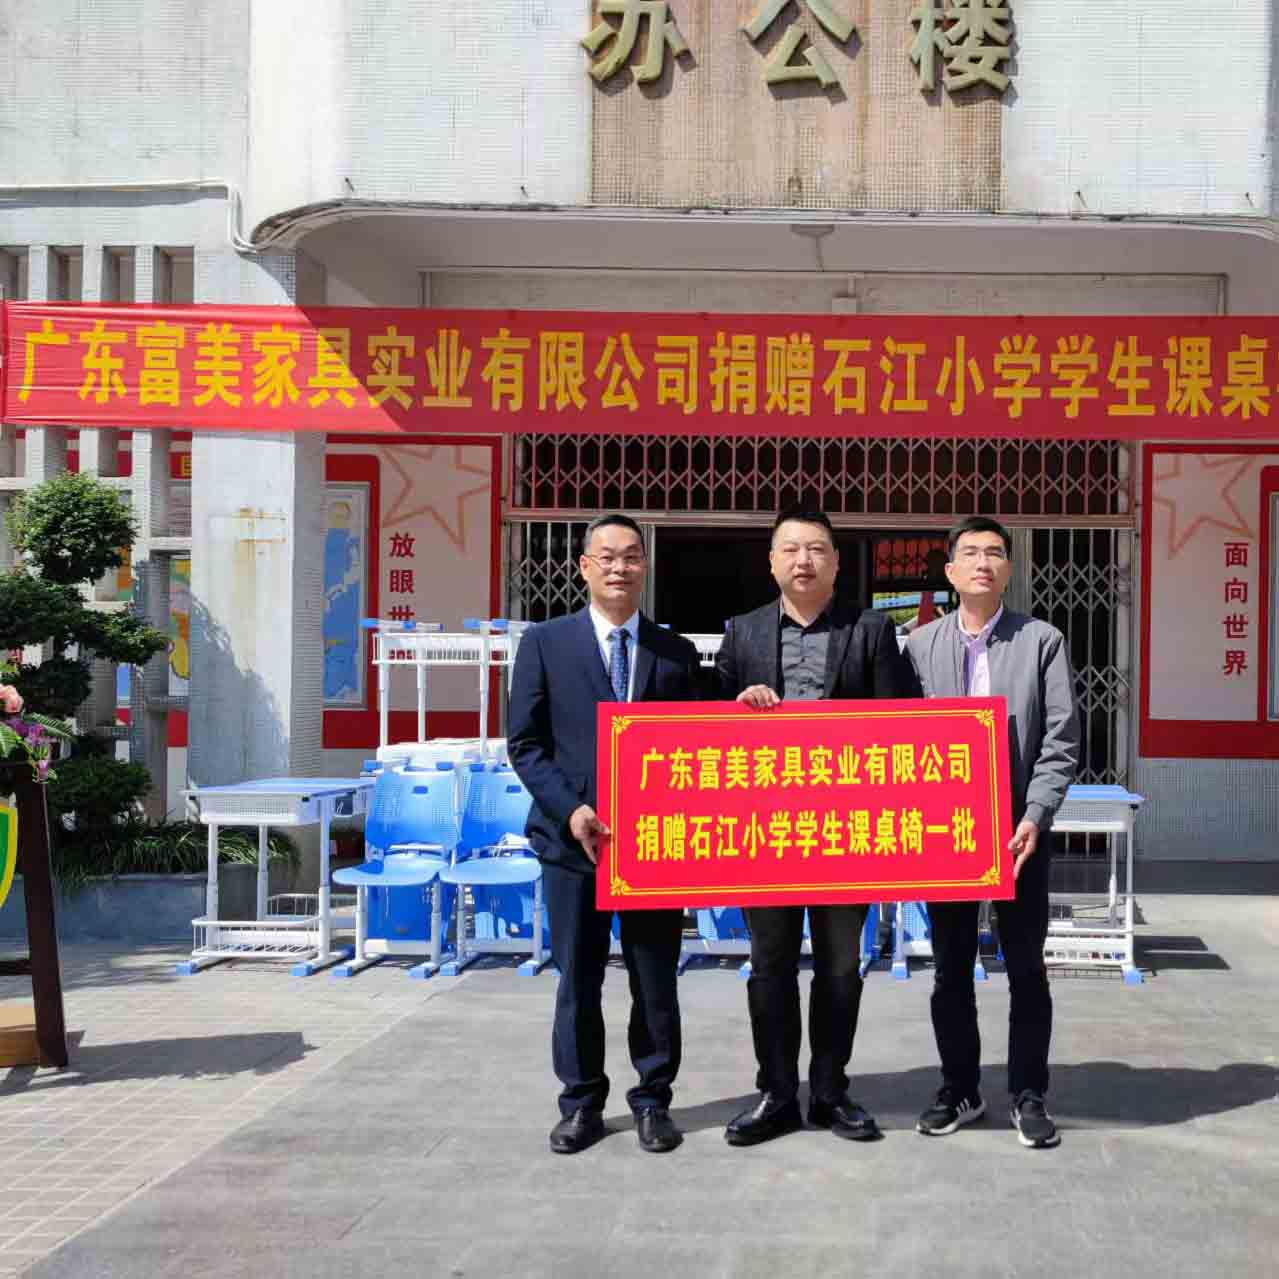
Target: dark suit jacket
{"type": "Point", "coordinates": [862, 657]}
{"type": "Point", "coordinates": [558, 681]}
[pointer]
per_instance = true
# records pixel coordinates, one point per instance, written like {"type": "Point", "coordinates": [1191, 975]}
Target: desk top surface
{"type": "Point", "coordinates": [301, 787]}
{"type": "Point", "coordinates": [1102, 795]}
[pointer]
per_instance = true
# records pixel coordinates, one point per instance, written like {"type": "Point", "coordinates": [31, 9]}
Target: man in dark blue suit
{"type": "Point", "coordinates": [564, 669]}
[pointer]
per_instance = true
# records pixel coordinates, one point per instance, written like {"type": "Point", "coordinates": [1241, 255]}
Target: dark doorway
{"type": "Point", "coordinates": [704, 576]}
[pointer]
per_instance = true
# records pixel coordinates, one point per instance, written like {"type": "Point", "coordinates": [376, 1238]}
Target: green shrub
{"type": "Point", "coordinates": [73, 528]}
{"type": "Point", "coordinates": [97, 789]}
{"type": "Point", "coordinates": [165, 848]}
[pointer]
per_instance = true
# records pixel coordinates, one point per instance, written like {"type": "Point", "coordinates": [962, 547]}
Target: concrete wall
{"type": "Point", "coordinates": [396, 100]}
{"type": "Point", "coordinates": [1159, 106]}
{"type": "Point", "coordinates": [1155, 107]}
{"type": "Point", "coordinates": [93, 91]}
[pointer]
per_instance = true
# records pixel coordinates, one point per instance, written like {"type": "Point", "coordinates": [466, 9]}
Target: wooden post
{"type": "Point", "coordinates": [42, 928]}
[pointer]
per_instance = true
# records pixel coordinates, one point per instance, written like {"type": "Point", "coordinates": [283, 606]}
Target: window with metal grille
{"type": "Point", "coordinates": [1054, 479]}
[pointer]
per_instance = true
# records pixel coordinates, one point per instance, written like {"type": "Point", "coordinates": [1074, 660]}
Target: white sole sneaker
{"type": "Point", "coordinates": [966, 1115]}
{"type": "Point", "coordinates": [1045, 1143]}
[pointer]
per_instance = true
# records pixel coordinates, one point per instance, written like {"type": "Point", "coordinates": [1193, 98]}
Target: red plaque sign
{"type": "Point", "coordinates": [809, 804]}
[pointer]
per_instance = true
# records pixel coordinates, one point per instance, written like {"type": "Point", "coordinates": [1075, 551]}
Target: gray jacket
{"type": "Point", "coordinates": [1030, 669]}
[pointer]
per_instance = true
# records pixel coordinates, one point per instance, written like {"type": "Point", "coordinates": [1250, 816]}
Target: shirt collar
{"type": "Point", "coordinates": [604, 628]}
{"type": "Point", "coordinates": [824, 616]}
{"type": "Point", "coordinates": [982, 636]}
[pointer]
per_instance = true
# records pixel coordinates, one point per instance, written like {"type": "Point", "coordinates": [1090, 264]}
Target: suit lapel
{"type": "Point", "coordinates": [841, 631]}
{"type": "Point", "coordinates": [770, 647]}
{"type": "Point", "coordinates": [592, 662]}
{"type": "Point", "coordinates": [645, 658]}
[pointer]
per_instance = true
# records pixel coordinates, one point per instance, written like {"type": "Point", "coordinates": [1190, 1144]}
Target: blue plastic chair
{"type": "Point", "coordinates": [504, 878]}
{"type": "Point", "coordinates": [721, 930]}
{"type": "Point", "coordinates": [410, 834]}
{"type": "Point", "coordinates": [912, 937]}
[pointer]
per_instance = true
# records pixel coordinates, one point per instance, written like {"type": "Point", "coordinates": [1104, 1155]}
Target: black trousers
{"type": "Point", "coordinates": [777, 935]}
{"type": "Point", "coordinates": [1023, 926]}
{"type": "Point", "coordinates": [580, 937]}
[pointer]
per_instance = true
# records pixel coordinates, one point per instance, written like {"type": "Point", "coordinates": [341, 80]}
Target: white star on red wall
{"type": "Point", "coordinates": [1196, 491]}
{"type": "Point", "coordinates": [454, 482]}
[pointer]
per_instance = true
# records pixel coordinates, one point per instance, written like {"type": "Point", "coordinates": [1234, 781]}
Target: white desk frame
{"type": "Point", "coordinates": [276, 801]}
{"type": "Point", "coordinates": [1108, 942]}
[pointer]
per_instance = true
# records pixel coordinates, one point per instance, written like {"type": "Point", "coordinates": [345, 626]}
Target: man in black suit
{"type": "Point", "coordinates": [805, 646]}
{"type": "Point", "coordinates": [565, 667]}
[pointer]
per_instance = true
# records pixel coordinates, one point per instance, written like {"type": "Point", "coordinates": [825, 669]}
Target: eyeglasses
{"type": "Point", "coordinates": [607, 563]}
{"type": "Point", "coordinates": [971, 554]}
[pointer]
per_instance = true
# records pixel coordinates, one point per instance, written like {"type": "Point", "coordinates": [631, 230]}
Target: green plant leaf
{"type": "Point", "coordinates": [9, 741]}
{"type": "Point", "coordinates": [54, 727]}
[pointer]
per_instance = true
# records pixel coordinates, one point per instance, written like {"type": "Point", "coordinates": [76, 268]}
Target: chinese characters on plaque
{"type": "Point", "coordinates": [1236, 621]}
{"type": "Point", "coordinates": [967, 39]}
{"type": "Point", "coordinates": [822, 802]}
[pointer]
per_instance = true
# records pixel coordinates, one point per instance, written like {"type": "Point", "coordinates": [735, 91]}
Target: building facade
{"type": "Point", "coordinates": [832, 158]}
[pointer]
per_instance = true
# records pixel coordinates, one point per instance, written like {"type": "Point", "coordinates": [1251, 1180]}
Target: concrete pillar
{"type": "Point", "coordinates": [8, 470]}
{"type": "Point", "coordinates": [38, 263]}
{"type": "Point", "coordinates": [257, 525]}
{"type": "Point", "coordinates": [149, 686]}
{"type": "Point", "coordinates": [257, 547]}
{"type": "Point", "coordinates": [99, 451]}
{"type": "Point", "coordinates": [46, 452]}
{"type": "Point", "coordinates": [149, 490]}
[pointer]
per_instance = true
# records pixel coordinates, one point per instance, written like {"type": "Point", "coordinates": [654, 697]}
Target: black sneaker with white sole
{"type": "Point", "coordinates": [951, 1111]}
{"type": "Point", "coordinates": [1034, 1124]}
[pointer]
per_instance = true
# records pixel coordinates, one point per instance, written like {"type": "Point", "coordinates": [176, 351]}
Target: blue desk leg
{"type": "Point", "coordinates": [189, 967]}
{"type": "Point", "coordinates": [309, 967]}
{"type": "Point", "coordinates": [901, 965]}
{"type": "Point", "coordinates": [353, 965]}
{"type": "Point", "coordinates": [540, 956]}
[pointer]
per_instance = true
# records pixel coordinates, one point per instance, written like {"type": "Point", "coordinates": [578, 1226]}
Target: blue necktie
{"type": "Point", "coordinates": [619, 666]}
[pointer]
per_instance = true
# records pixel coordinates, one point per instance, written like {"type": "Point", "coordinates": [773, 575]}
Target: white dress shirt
{"type": "Point", "coordinates": [603, 629]}
{"type": "Point", "coordinates": [977, 656]}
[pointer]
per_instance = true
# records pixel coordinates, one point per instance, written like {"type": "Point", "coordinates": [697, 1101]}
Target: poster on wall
{"type": "Point", "coordinates": [1209, 555]}
{"type": "Point", "coordinates": [427, 509]}
{"type": "Point", "coordinates": [179, 627]}
{"type": "Point", "coordinates": [345, 593]}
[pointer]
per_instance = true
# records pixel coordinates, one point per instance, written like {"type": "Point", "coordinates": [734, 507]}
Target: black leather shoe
{"type": "Point", "coordinates": [656, 1130]}
{"type": "Point", "coordinates": [577, 1131]}
{"type": "Point", "coordinates": [845, 1118]}
{"type": "Point", "coordinates": [770, 1117]}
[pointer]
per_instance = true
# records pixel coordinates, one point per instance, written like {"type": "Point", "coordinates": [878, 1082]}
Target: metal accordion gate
{"type": "Point", "coordinates": [1068, 503]}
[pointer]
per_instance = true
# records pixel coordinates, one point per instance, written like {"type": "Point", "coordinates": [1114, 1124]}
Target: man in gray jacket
{"type": "Point", "coordinates": [985, 650]}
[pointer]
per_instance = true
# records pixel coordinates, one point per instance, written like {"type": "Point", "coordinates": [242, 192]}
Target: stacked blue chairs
{"type": "Point", "coordinates": [410, 835]}
{"type": "Point", "coordinates": [912, 937]}
{"type": "Point", "coordinates": [722, 930]}
{"type": "Point", "coordinates": [504, 878]}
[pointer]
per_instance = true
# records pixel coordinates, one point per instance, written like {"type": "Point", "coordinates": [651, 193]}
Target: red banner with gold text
{"type": "Point", "coordinates": [379, 370]}
{"type": "Point", "coordinates": [809, 804]}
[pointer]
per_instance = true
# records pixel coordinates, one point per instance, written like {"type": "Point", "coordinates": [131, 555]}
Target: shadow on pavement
{"type": "Point", "coordinates": [1089, 1094]}
{"type": "Point", "coordinates": [1162, 954]}
{"type": "Point", "coordinates": [210, 1056]}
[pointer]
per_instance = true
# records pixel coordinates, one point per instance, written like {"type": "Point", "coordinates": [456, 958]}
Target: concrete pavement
{"type": "Point", "coordinates": [244, 1122]}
